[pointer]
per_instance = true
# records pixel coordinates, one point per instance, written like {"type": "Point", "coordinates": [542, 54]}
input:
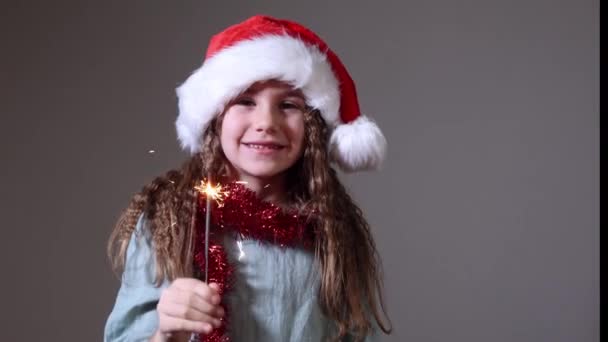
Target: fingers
{"type": "Point", "coordinates": [170, 324]}
{"type": "Point", "coordinates": [190, 305]}
{"type": "Point", "coordinates": [193, 302]}
{"type": "Point", "coordinates": [188, 313]}
{"type": "Point", "coordinates": [209, 293]}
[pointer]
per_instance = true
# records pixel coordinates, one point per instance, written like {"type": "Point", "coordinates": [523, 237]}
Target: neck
{"type": "Point", "coordinates": [268, 189]}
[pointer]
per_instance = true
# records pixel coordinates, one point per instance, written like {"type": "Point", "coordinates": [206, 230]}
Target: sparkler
{"type": "Point", "coordinates": [217, 194]}
{"type": "Point", "coordinates": [213, 193]}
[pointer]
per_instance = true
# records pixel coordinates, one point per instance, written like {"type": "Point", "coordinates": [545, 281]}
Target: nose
{"type": "Point", "coordinates": [266, 118]}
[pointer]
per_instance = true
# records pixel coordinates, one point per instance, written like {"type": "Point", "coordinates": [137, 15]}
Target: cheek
{"type": "Point", "coordinates": [224, 138]}
{"type": "Point", "coordinates": [224, 135]}
{"type": "Point", "coordinates": [229, 139]}
{"type": "Point", "coordinates": [230, 131]}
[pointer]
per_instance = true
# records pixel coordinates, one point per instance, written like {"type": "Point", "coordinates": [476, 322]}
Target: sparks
{"type": "Point", "coordinates": [214, 192]}
{"type": "Point", "coordinates": [241, 251]}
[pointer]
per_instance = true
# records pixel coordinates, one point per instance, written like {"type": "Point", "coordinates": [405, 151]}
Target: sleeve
{"type": "Point", "coordinates": [134, 316]}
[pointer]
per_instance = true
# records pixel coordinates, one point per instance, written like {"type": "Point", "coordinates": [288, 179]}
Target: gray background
{"type": "Point", "coordinates": [486, 213]}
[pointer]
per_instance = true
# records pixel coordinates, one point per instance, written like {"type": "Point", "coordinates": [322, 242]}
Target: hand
{"type": "Point", "coordinates": [189, 305]}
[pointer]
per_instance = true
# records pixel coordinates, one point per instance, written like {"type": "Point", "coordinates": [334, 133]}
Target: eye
{"type": "Point", "coordinates": [289, 105]}
{"type": "Point", "coordinates": [244, 101]}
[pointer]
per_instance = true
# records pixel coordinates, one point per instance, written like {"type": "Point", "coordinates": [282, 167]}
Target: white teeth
{"type": "Point", "coordinates": [260, 147]}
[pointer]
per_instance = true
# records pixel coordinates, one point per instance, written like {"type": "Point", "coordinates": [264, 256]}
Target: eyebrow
{"type": "Point", "coordinates": [296, 93]}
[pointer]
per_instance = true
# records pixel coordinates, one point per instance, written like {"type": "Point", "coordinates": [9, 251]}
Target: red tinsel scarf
{"type": "Point", "coordinates": [243, 213]}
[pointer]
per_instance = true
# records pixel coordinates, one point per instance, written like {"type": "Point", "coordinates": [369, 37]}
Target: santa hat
{"type": "Point", "coordinates": [263, 48]}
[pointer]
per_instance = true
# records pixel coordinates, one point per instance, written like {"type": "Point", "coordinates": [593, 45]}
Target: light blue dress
{"type": "Point", "coordinates": [274, 297]}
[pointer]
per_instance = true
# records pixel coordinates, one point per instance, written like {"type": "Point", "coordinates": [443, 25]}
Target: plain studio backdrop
{"type": "Point", "coordinates": [486, 213]}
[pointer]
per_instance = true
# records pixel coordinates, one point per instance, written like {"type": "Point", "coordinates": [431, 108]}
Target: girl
{"type": "Point", "coordinates": [291, 257]}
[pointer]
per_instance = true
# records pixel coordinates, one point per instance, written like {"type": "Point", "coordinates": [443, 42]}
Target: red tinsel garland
{"type": "Point", "coordinates": [243, 213]}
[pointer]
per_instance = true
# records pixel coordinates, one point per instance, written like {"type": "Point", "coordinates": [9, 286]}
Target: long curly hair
{"type": "Point", "coordinates": [351, 281]}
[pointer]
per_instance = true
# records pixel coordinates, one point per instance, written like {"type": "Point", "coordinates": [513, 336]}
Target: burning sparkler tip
{"type": "Point", "coordinates": [212, 192]}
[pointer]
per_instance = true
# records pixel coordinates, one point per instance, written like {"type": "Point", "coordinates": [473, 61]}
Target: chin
{"type": "Point", "coordinates": [265, 173]}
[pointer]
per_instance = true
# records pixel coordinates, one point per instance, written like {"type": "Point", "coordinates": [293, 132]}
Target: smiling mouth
{"type": "Point", "coordinates": [269, 146]}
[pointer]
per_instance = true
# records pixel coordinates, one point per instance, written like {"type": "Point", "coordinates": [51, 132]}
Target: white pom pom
{"type": "Point", "coordinates": [358, 145]}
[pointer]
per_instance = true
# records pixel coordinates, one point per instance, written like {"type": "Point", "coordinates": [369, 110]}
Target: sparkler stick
{"type": "Point", "coordinates": [207, 223]}
{"type": "Point", "coordinates": [213, 193]}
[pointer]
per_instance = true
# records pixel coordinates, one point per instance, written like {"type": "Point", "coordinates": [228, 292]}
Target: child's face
{"type": "Point", "coordinates": [262, 132]}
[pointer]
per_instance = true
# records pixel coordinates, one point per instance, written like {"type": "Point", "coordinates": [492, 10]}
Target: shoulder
{"type": "Point", "coordinates": [165, 192]}
{"type": "Point", "coordinates": [140, 265]}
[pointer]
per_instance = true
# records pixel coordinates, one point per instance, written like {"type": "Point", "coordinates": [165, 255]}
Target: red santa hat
{"type": "Point", "coordinates": [263, 48]}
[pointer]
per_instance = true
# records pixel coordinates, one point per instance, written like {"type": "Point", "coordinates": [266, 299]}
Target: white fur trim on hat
{"type": "Point", "coordinates": [229, 72]}
{"type": "Point", "coordinates": [358, 145]}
